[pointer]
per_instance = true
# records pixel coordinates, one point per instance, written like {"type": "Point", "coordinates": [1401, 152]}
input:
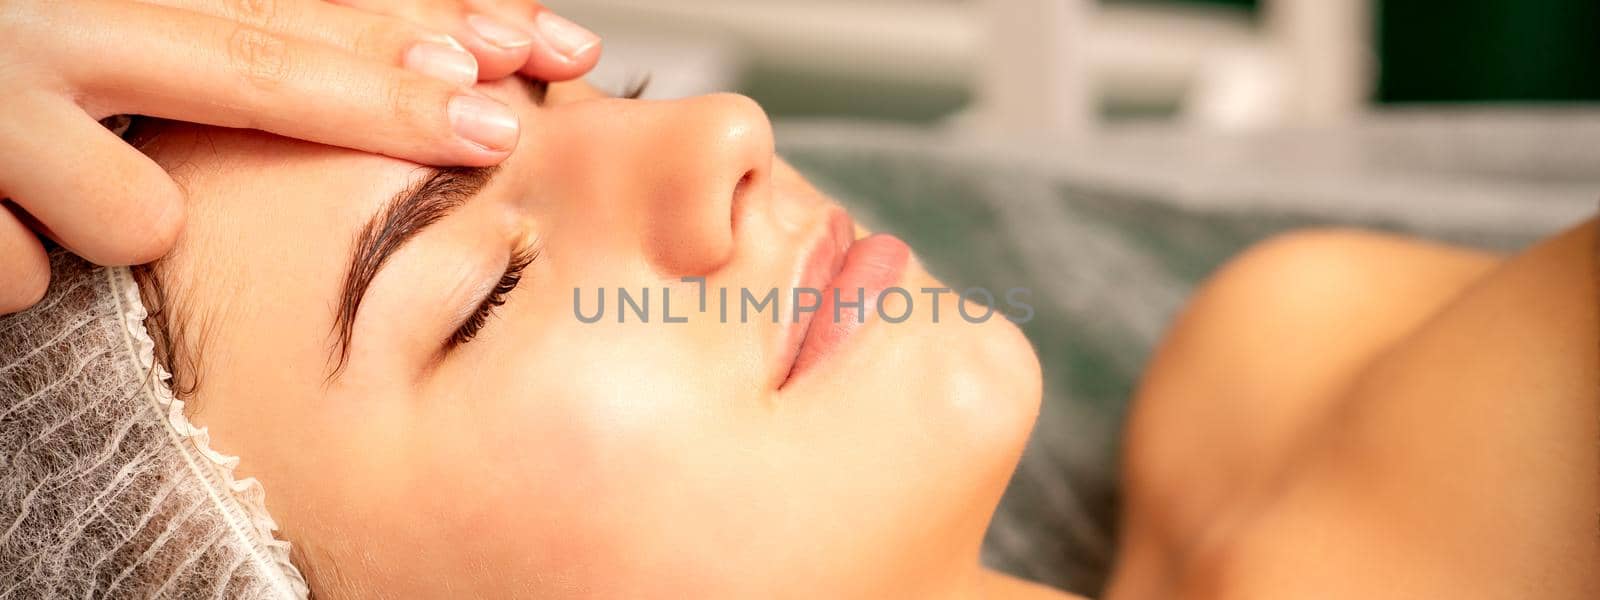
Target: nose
{"type": "Point", "coordinates": [667, 183]}
{"type": "Point", "coordinates": [714, 167]}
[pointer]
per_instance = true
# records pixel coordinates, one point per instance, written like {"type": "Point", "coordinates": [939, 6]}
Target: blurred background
{"type": "Point", "coordinates": [1228, 63]}
{"type": "Point", "coordinates": [1108, 155]}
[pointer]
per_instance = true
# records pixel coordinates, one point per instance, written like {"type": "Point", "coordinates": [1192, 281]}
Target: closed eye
{"type": "Point", "coordinates": [496, 297]}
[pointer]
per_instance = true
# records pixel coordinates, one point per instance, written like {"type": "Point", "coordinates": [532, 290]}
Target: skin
{"type": "Point", "coordinates": [385, 77]}
{"type": "Point", "coordinates": [554, 458]}
{"type": "Point", "coordinates": [1321, 422]}
{"type": "Point", "coordinates": [1343, 414]}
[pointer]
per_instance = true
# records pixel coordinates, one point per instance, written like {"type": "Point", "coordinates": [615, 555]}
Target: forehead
{"type": "Point", "coordinates": [248, 189]}
{"type": "Point", "coordinates": [243, 185]}
{"type": "Point", "coordinates": [271, 221]}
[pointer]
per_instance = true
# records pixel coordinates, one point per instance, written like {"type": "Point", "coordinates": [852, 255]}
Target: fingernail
{"type": "Point", "coordinates": [568, 38]}
{"type": "Point", "coordinates": [498, 32]}
{"type": "Point", "coordinates": [484, 122]}
{"type": "Point", "coordinates": [449, 41]}
{"type": "Point", "coordinates": [442, 62]}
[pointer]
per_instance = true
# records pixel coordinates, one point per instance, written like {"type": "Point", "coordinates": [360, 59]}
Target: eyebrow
{"type": "Point", "coordinates": [399, 221]}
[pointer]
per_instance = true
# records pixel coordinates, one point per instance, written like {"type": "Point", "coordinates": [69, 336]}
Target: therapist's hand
{"type": "Point", "coordinates": [300, 68]}
{"type": "Point", "coordinates": [507, 36]}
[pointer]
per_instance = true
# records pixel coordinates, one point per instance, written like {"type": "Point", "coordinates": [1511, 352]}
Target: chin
{"type": "Point", "coordinates": [1006, 387]}
{"type": "Point", "coordinates": [984, 378]}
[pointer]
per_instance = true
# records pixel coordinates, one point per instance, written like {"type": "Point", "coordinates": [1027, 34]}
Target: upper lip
{"type": "Point", "coordinates": [814, 270]}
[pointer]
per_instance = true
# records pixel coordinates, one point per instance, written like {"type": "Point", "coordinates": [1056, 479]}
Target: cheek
{"type": "Point", "coordinates": [612, 456]}
{"type": "Point", "coordinates": [577, 446]}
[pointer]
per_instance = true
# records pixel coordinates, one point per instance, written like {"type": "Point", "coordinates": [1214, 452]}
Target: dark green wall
{"type": "Point", "coordinates": [1429, 51]}
{"type": "Point", "coordinates": [1483, 50]}
{"type": "Point", "coordinates": [1488, 50]}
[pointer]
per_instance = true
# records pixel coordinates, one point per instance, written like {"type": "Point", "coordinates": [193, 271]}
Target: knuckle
{"type": "Point", "coordinates": [260, 58]}
{"type": "Point", "coordinates": [386, 38]}
{"type": "Point", "coordinates": [410, 108]}
{"type": "Point", "coordinates": [258, 13]}
{"type": "Point", "coordinates": [374, 41]}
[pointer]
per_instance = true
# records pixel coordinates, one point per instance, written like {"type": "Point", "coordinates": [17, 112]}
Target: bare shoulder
{"type": "Point", "coordinates": [1461, 462]}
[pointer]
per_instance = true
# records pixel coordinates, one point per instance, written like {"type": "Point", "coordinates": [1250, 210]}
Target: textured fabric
{"type": "Point", "coordinates": [106, 489]}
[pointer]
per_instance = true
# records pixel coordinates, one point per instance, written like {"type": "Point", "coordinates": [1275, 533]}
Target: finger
{"type": "Point", "coordinates": [572, 50]}
{"type": "Point", "coordinates": [100, 197]}
{"type": "Point", "coordinates": [383, 38]}
{"type": "Point", "coordinates": [500, 46]}
{"type": "Point", "coordinates": [24, 268]}
{"type": "Point", "coordinates": [564, 51]}
{"type": "Point", "coordinates": [232, 75]}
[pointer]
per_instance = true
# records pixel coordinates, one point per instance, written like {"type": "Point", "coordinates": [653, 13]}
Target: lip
{"type": "Point", "coordinates": [816, 269]}
{"type": "Point", "coordinates": [855, 269]}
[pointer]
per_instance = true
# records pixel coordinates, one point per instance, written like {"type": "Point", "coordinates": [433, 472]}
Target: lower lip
{"type": "Point", "coordinates": [872, 265]}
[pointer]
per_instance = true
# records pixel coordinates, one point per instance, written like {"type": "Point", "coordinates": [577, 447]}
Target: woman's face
{"type": "Point", "coordinates": [551, 456]}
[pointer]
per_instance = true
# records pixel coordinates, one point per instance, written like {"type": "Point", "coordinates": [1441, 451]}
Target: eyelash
{"type": "Point", "coordinates": [497, 297]}
{"type": "Point", "coordinates": [520, 261]}
{"type": "Point", "coordinates": [636, 88]}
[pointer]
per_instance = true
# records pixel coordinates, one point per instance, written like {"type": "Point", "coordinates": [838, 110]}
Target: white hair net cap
{"type": "Point", "coordinates": [106, 488]}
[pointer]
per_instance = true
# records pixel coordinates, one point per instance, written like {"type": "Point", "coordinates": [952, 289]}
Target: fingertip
{"type": "Point", "coordinates": [568, 39]}
{"type": "Point", "coordinates": [500, 47]}
{"type": "Point", "coordinates": [495, 62]}
{"type": "Point", "coordinates": [436, 124]}
{"type": "Point", "coordinates": [450, 63]}
{"type": "Point", "coordinates": [26, 290]}
{"type": "Point", "coordinates": [165, 228]}
{"type": "Point", "coordinates": [546, 64]}
{"type": "Point", "coordinates": [486, 130]}
{"type": "Point", "coordinates": [477, 157]}
{"type": "Point", "coordinates": [586, 60]}
{"type": "Point", "coordinates": [151, 223]}
{"type": "Point", "coordinates": [24, 266]}
{"type": "Point", "coordinates": [470, 154]}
